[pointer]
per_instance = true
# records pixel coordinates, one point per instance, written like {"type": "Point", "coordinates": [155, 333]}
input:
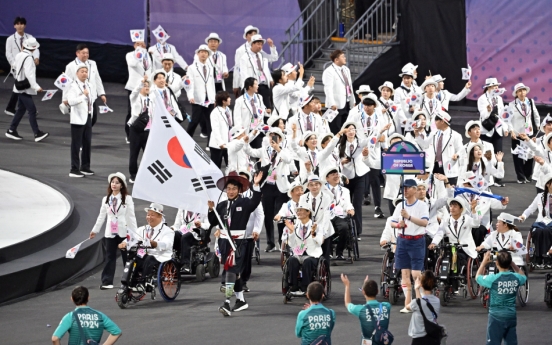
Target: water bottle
{"type": "Point", "coordinates": [341, 29]}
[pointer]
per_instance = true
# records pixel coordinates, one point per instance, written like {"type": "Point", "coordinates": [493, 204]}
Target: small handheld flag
{"type": "Point", "coordinates": [49, 94]}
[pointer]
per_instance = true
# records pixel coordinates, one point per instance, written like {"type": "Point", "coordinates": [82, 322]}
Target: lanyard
{"type": "Point", "coordinates": [457, 233]}
{"type": "Point", "coordinates": [16, 44]}
{"type": "Point", "coordinates": [255, 69]}
{"type": "Point", "coordinates": [153, 230]}
{"type": "Point", "coordinates": [159, 49]}
{"type": "Point", "coordinates": [113, 209]}
{"type": "Point", "coordinates": [340, 75]}
{"type": "Point", "coordinates": [319, 203]}
{"type": "Point", "coordinates": [309, 227]}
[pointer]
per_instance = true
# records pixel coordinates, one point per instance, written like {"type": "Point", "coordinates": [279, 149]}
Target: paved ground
{"type": "Point", "coordinates": [193, 317]}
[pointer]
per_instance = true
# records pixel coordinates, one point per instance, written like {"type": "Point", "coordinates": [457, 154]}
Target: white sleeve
{"type": "Point", "coordinates": [101, 217]}
{"type": "Point", "coordinates": [179, 59]}
{"type": "Point", "coordinates": [460, 96]}
{"type": "Point", "coordinates": [533, 207]}
{"type": "Point", "coordinates": [259, 219]}
{"type": "Point", "coordinates": [328, 80]}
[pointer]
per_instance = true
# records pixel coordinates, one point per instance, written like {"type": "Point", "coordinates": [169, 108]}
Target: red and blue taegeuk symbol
{"type": "Point", "coordinates": [480, 184]}
{"type": "Point", "coordinates": [414, 97]}
{"type": "Point", "coordinates": [161, 34]}
{"type": "Point", "coordinates": [332, 206]}
{"type": "Point", "coordinates": [63, 80]}
{"type": "Point", "coordinates": [187, 82]}
{"type": "Point", "coordinates": [519, 244]}
{"type": "Point", "coordinates": [394, 108]}
{"type": "Point", "coordinates": [177, 154]}
{"type": "Point", "coordinates": [138, 55]}
{"type": "Point", "coordinates": [373, 140]}
{"type": "Point", "coordinates": [506, 115]}
{"type": "Point", "coordinates": [137, 34]}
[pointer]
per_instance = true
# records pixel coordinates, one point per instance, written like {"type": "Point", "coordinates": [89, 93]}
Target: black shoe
{"type": "Point", "coordinates": [40, 135]}
{"type": "Point", "coordinates": [378, 213]}
{"type": "Point", "coordinates": [75, 173]}
{"type": "Point", "coordinates": [240, 305]}
{"type": "Point", "coordinates": [87, 172]}
{"type": "Point", "coordinates": [225, 309]}
{"type": "Point", "coordinates": [13, 135]}
{"type": "Point", "coordinates": [499, 184]}
{"type": "Point", "coordinates": [245, 288]}
{"type": "Point", "coordinates": [339, 257]}
{"type": "Point", "coordinates": [367, 200]}
{"type": "Point", "coordinates": [270, 248]}
{"type": "Point", "coordinates": [131, 179]}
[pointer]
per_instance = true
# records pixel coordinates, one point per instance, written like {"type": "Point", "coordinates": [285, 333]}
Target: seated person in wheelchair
{"type": "Point", "coordinates": [389, 233]}
{"type": "Point", "coordinates": [506, 236]}
{"type": "Point", "coordinates": [340, 207]}
{"type": "Point", "coordinates": [192, 225]}
{"type": "Point", "coordinates": [305, 243]}
{"type": "Point", "coordinates": [288, 209]}
{"type": "Point", "coordinates": [541, 230]}
{"type": "Point", "coordinates": [160, 237]}
{"type": "Point", "coordinates": [457, 228]}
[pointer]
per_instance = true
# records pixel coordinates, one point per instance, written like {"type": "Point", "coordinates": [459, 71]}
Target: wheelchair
{"type": "Point", "coordinates": [444, 272]}
{"type": "Point", "coordinates": [548, 290]}
{"type": "Point", "coordinates": [532, 260]}
{"type": "Point", "coordinates": [523, 290]}
{"type": "Point", "coordinates": [390, 281]}
{"type": "Point", "coordinates": [321, 275]}
{"type": "Point", "coordinates": [202, 260]}
{"type": "Point", "coordinates": [351, 242]}
{"type": "Point", "coordinates": [165, 277]}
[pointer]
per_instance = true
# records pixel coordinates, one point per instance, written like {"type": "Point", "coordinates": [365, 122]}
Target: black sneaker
{"type": "Point", "coordinates": [13, 135]}
{"type": "Point", "coordinates": [339, 257]}
{"type": "Point", "coordinates": [75, 173]}
{"type": "Point", "coordinates": [378, 213]}
{"type": "Point", "coordinates": [40, 135]}
{"type": "Point", "coordinates": [87, 172]}
{"type": "Point", "coordinates": [367, 200]}
{"type": "Point", "coordinates": [270, 248]}
{"type": "Point", "coordinates": [245, 288]}
{"type": "Point", "coordinates": [240, 305]}
{"type": "Point", "coordinates": [225, 309]}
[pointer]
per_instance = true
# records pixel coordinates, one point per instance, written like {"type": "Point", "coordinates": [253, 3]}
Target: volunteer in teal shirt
{"type": "Point", "coordinates": [368, 313]}
{"type": "Point", "coordinates": [503, 288]}
{"type": "Point", "coordinates": [93, 322]}
{"type": "Point", "coordinates": [315, 322]}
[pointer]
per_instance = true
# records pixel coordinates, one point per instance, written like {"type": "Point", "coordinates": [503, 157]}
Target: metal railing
{"type": "Point", "coordinates": [309, 33]}
{"type": "Point", "coordinates": [371, 35]}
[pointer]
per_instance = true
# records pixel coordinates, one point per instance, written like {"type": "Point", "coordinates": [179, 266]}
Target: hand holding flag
{"type": "Point", "coordinates": [137, 35]}
{"type": "Point", "coordinates": [49, 94]}
{"type": "Point", "coordinates": [71, 253]}
{"type": "Point", "coordinates": [466, 73]}
{"type": "Point", "coordinates": [160, 34]}
{"type": "Point", "coordinates": [104, 109]}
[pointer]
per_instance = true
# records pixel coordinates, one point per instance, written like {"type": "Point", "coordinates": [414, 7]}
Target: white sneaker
{"type": "Point", "coordinates": [207, 149]}
{"type": "Point", "coordinates": [202, 135]}
{"type": "Point", "coordinates": [405, 311]}
{"type": "Point", "coordinates": [126, 140]}
{"type": "Point", "coordinates": [9, 113]}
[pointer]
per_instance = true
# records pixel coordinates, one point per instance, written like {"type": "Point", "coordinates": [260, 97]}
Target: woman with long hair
{"type": "Point", "coordinates": [481, 166]}
{"type": "Point", "coordinates": [118, 207]}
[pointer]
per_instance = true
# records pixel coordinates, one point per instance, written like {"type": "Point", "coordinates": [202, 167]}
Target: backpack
{"type": "Point", "coordinates": [381, 336]}
{"type": "Point", "coordinates": [433, 330]}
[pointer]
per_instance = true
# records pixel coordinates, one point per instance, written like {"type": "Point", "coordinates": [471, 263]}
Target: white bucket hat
{"type": "Point", "coordinates": [236, 131]}
{"type": "Point", "coordinates": [520, 86]}
{"type": "Point", "coordinates": [506, 218]}
{"type": "Point", "coordinates": [409, 72]}
{"type": "Point", "coordinates": [322, 137]}
{"type": "Point", "coordinates": [304, 205]}
{"type": "Point", "coordinates": [444, 116]}
{"type": "Point", "coordinates": [372, 96]}
{"type": "Point", "coordinates": [205, 48]}
{"type": "Point", "coordinates": [546, 140]}
{"type": "Point", "coordinates": [159, 71]}
{"type": "Point", "coordinates": [461, 201]}
{"type": "Point", "coordinates": [64, 108]}
{"type": "Point", "coordinates": [437, 78]}
{"type": "Point", "coordinates": [246, 173]}
{"type": "Point", "coordinates": [31, 43]}
{"type": "Point", "coordinates": [409, 66]}
{"type": "Point", "coordinates": [304, 99]}
{"type": "Point", "coordinates": [420, 112]}
{"type": "Point", "coordinates": [427, 82]}
{"type": "Point", "coordinates": [394, 136]}
{"type": "Point", "coordinates": [326, 171]}
{"type": "Point", "coordinates": [120, 175]}
{"type": "Point", "coordinates": [547, 119]}
{"type": "Point", "coordinates": [257, 38]}
{"type": "Point", "coordinates": [288, 68]}
{"type": "Point", "coordinates": [470, 124]}
{"type": "Point", "coordinates": [273, 118]}
{"type": "Point", "coordinates": [472, 145]}
{"type": "Point", "coordinates": [387, 84]}
{"type": "Point", "coordinates": [155, 207]}
{"type": "Point", "coordinates": [213, 36]}
{"type": "Point", "coordinates": [168, 56]}
{"type": "Point", "coordinates": [277, 131]}
{"type": "Point", "coordinates": [312, 178]}
{"type": "Point", "coordinates": [490, 82]}
{"type": "Point", "coordinates": [364, 89]}
{"type": "Point", "coordinates": [354, 123]}
{"type": "Point", "coordinates": [296, 183]}
{"type": "Point", "coordinates": [249, 28]}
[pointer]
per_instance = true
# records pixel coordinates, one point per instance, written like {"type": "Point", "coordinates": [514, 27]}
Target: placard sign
{"type": "Point", "coordinates": [403, 158]}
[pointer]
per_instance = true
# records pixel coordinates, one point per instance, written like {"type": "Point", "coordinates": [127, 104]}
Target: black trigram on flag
{"type": "Point", "coordinates": [207, 180]}
{"type": "Point", "coordinates": [166, 121]}
{"type": "Point", "coordinates": [159, 171]}
{"type": "Point", "coordinates": [202, 153]}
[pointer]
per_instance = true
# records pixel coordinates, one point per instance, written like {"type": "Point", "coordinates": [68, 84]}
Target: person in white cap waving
{"type": "Point", "coordinates": [26, 71]}
{"type": "Point", "coordinates": [525, 119]}
{"type": "Point", "coordinates": [541, 147]}
{"type": "Point", "coordinates": [161, 48]}
{"type": "Point", "coordinates": [248, 33]}
{"type": "Point", "coordinates": [405, 91]}
{"type": "Point", "coordinates": [445, 96]}
{"type": "Point", "coordinates": [429, 101]}
{"type": "Point", "coordinates": [284, 88]}
{"type": "Point", "coordinates": [394, 113]}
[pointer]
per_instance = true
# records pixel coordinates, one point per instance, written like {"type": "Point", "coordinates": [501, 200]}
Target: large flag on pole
{"type": "Point", "coordinates": [172, 166]}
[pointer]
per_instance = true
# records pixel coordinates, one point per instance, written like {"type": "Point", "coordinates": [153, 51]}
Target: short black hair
{"type": "Point", "coordinates": [235, 183]}
{"type": "Point", "coordinates": [220, 97]}
{"type": "Point", "coordinates": [428, 280]}
{"type": "Point", "coordinates": [250, 31]}
{"type": "Point", "coordinates": [326, 138]}
{"type": "Point", "coordinates": [335, 54]}
{"type": "Point", "coordinates": [277, 75]}
{"type": "Point", "coordinates": [457, 203]}
{"type": "Point", "coordinates": [81, 46]}
{"type": "Point", "coordinates": [472, 126]}
{"type": "Point", "coordinates": [80, 295]}
{"type": "Point", "coordinates": [315, 292]}
{"type": "Point", "coordinates": [370, 288]}
{"type": "Point", "coordinates": [249, 82]}
{"type": "Point", "coordinates": [158, 73]}
{"type": "Point", "coordinates": [277, 122]}
{"type": "Point", "coordinates": [20, 20]}
{"type": "Point", "coordinates": [504, 259]}
{"type": "Point", "coordinates": [369, 101]}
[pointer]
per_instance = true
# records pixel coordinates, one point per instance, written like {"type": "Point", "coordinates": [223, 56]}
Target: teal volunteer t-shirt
{"type": "Point", "coordinates": [369, 321]}
{"type": "Point", "coordinates": [314, 322]}
{"type": "Point", "coordinates": [92, 322]}
{"type": "Point", "coordinates": [503, 287]}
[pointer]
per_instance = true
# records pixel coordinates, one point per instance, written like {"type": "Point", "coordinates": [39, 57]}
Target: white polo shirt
{"type": "Point", "coordinates": [418, 209]}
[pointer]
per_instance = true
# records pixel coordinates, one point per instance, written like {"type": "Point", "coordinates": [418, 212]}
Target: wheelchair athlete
{"type": "Point", "coordinates": [161, 239]}
{"type": "Point", "coordinates": [506, 236]}
{"type": "Point", "coordinates": [458, 229]}
{"type": "Point", "coordinates": [306, 248]}
{"type": "Point", "coordinates": [190, 224]}
{"type": "Point", "coordinates": [339, 208]}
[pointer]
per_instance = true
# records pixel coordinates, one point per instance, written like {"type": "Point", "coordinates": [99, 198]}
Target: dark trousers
{"type": "Point", "coordinates": [501, 330]}
{"type": "Point", "coordinates": [391, 207]}
{"type": "Point", "coordinates": [186, 242]}
{"type": "Point", "coordinates": [248, 260]}
{"type": "Point", "coordinates": [128, 115]}
{"type": "Point", "coordinates": [272, 201]}
{"type": "Point", "coordinates": [200, 116]}
{"type": "Point", "coordinates": [281, 227]}
{"type": "Point", "coordinates": [257, 142]}
{"type": "Point", "coordinates": [335, 125]}
{"type": "Point", "coordinates": [356, 187]}
{"type": "Point", "coordinates": [138, 142]}
{"type": "Point", "coordinates": [146, 265]}
{"type": "Point", "coordinates": [496, 141]}
{"type": "Point", "coordinates": [327, 248]}
{"type": "Point", "coordinates": [524, 169]}
{"type": "Point", "coordinates": [308, 268]}
{"type": "Point", "coordinates": [111, 250]}
{"type": "Point", "coordinates": [479, 234]}
{"type": "Point", "coordinates": [25, 104]}
{"type": "Point", "coordinates": [425, 340]}
{"type": "Point", "coordinates": [264, 90]}
{"type": "Point", "coordinates": [218, 87]}
{"type": "Point", "coordinates": [12, 102]}
{"type": "Point", "coordinates": [341, 227]}
{"type": "Point", "coordinates": [373, 181]}
{"type": "Point", "coordinates": [217, 155]}
{"type": "Point", "coordinates": [81, 136]}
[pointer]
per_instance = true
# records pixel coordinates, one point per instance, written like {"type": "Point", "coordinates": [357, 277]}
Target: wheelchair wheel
{"type": "Point", "coordinates": [123, 298]}
{"type": "Point", "coordinates": [529, 257]}
{"type": "Point", "coordinates": [168, 280]}
{"type": "Point", "coordinates": [213, 267]}
{"type": "Point", "coordinates": [285, 282]}
{"type": "Point", "coordinates": [523, 290]}
{"type": "Point", "coordinates": [283, 255]}
{"type": "Point", "coordinates": [393, 295]}
{"type": "Point", "coordinates": [257, 255]}
{"type": "Point", "coordinates": [323, 277]}
{"type": "Point", "coordinates": [354, 240]}
{"type": "Point", "coordinates": [200, 273]}
{"type": "Point", "coordinates": [471, 271]}
{"type": "Point", "coordinates": [444, 295]}
{"type": "Point", "coordinates": [383, 278]}
{"type": "Point", "coordinates": [548, 291]}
